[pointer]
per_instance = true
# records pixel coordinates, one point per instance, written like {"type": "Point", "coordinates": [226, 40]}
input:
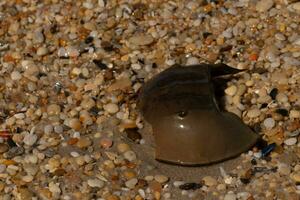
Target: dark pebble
{"type": "Point", "coordinates": [264, 105]}
{"type": "Point", "coordinates": [273, 93]}
{"type": "Point", "coordinates": [261, 143]}
{"type": "Point", "coordinates": [190, 186]}
{"type": "Point", "coordinates": [265, 151]}
{"type": "Point", "coordinates": [256, 128]}
{"type": "Point", "coordinates": [59, 172]}
{"type": "Point", "coordinates": [226, 48]}
{"type": "Point", "coordinates": [89, 39]}
{"type": "Point", "coordinates": [245, 180]}
{"type": "Point", "coordinates": [94, 110]}
{"type": "Point", "coordinates": [282, 111]}
{"type": "Point", "coordinates": [264, 169]}
{"type": "Point", "coordinates": [49, 153]}
{"type": "Point", "coordinates": [133, 134]}
{"type": "Point", "coordinates": [100, 64]}
{"type": "Point", "coordinates": [253, 162]}
{"type": "Point", "coordinates": [206, 34]}
{"type": "Point", "coordinates": [11, 143]}
{"type": "Point", "coordinates": [14, 151]}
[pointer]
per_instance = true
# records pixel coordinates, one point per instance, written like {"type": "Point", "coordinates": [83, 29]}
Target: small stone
{"type": "Point", "coordinates": [221, 187]}
{"type": "Point", "coordinates": [74, 154]}
{"type": "Point", "coordinates": [230, 196]}
{"type": "Point", "coordinates": [106, 143]}
{"type": "Point", "coordinates": [95, 183]}
{"type": "Point", "coordinates": [38, 37]}
{"type": "Point", "coordinates": [54, 188]}
{"type": "Point", "coordinates": [209, 181]}
{"type": "Point", "coordinates": [15, 75]}
{"type": "Point", "coordinates": [30, 139]}
{"type": "Point", "coordinates": [15, 151]}
{"type": "Point", "coordinates": [133, 134]}
{"type": "Point", "coordinates": [53, 109]}
{"type": "Point", "coordinates": [83, 142]}
{"type": "Point", "coordinates": [192, 61]}
{"type": "Point", "coordinates": [130, 156]}
{"type": "Point", "coordinates": [281, 97]}
{"type": "Point", "coordinates": [231, 90]}
{"type": "Point", "coordinates": [161, 178]}
{"type": "Point", "coordinates": [75, 124]}
{"type": "Point", "coordinates": [123, 84]}
{"type": "Point", "coordinates": [264, 5]}
{"type": "Point", "coordinates": [123, 147]}
{"type": "Point", "coordinates": [255, 112]}
{"type": "Point", "coordinates": [27, 178]}
{"type": "Point", "coordinates": [284, 169]}
{"type": "Point", "coordinates": [58, 129]}
{"type": "Point", "coordinates": [131, 183]}
{"type": "Point", "coordinates": [290, 141]}
{"type": "Point", "coordinates": [48, 129]}
{"type": "Point", "coordinates": [190, 186]}
{"type": "Point", "coordinates": [269, 123]}
{"type": "Point", "coordinates": [141, 40]}
{"type": "Point", "coordinates": [3, 148]}
{"type": "Point", "coordinates": [294, 114]}
{"type": "Point", "coordinates": [295, 176]}
{"type": "Point", "coordinates": [178, 183]}
{"type": "Point", "coordinates": [41, 51]}
{"type": "Point", "coordinates": [111, 108]}
{"type": "Point", "coordinates": [296, 6]}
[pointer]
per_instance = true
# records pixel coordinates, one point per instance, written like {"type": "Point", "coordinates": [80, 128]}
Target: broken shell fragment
{"type": "Point", "coordinates": [188, 126]}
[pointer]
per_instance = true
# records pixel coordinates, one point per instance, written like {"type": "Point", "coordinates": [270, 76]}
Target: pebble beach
{"type": "Point", "coordinates": [70, 72]}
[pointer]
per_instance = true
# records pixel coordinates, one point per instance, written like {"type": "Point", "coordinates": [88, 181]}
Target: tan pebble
{"type": "Point", "coordinates": [231, 90]}
{"type": "Point", "coordinates": [295, 176]}
{"type": "Point", "coordinates": [157, 195]}
{"type": "Point", "coordinates": [75, 124]}
{"type": "Point", "coordinates": [111, 108]}
{"type": "Point", "coordinates": [123, 147]}
{"type": "Point", "coordinates": [106, 143]}
{"type": "Point", "coordinates": [2, 186]}
{"type": "Point", "coordinates": [123, 84]}
{"type": "Point", "coordinates": [112, 197]}
{"type": "Point", "coordinates": [53, 109]}
{"type": "Point", "coordinates": [3, 148]}
{"type": "Point", "coordinates": [161, 178]}
{"type": "Point", "coordinates": [27, 178]}
{"type": "Point", "coordinates": [141, 40]}
{"type": "Point", "coordinates": [24, 193]}
{"type": "Point", "coordinates": [155, 186]}
{"type": "Point", "coordinates": [209, 181]}
{"type": "Point", "coordinates": [83, 142]}
{"type": "Point", "coordinates": [294, 114]}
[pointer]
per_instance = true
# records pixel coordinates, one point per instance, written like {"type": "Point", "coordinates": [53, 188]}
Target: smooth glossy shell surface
{"type": "Point", "coordinates": [188, 127]}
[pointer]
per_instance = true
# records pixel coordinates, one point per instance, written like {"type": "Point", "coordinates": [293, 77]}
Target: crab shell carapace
{"type": "Point", "coordinates": [188, 126]}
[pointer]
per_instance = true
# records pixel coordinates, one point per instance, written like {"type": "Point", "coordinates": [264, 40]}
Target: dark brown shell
{"type": "Point", "coordinates": [188, 126]}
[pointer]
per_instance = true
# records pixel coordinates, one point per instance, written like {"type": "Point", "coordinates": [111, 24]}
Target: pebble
{"type": "Point", "coordinates": [296, 6]}
{"type": "Point", "coordinates": [123, 147]}
{"type": "Point", "coordinates": [15, 75]}
{"type": "Point", "coordinates": [53, 109]}
{"type": "Point", "coordinates": [111, 108]}
{"type": "Point", "coordinates": [95, 183]}
{"type": "Point", "coordinates": [231, 90]}
{"type": "Point", "coordinates": [294, 114]}
{"type": "Point", "coordinates": [230, 196]}
{"type": "Point", "coordinates": [290, 141]}
{"type": "Point", "coordinates": [106, 143]}
{"type": "Point", "coordinates": [75, 124]}
{"type": "Point", "coordinates": [295, 176]}
{"type": "Point", "coordinates": [255, 112]}
{"type": "Point", "coordinates": [131, 183]}
{"type": "Point", "coordinates": [284, 169]}
{"type": "Point", "coordinates": [27, 178]}
{"type": "Point", "coordinates": [130, 156]}
{"type": "Point", "coordinates": [264, 5]}
{"type": "Point", "coordinates": [41, 51]}
{"type": "Point", "coordinates": [209, 181]}
{"type": "Point", "coordinates": [269, 123]}
{"type": "Point", "coordinates": [48, 129]}
{"type": "Point", "coordinates": [141, 40]}
{"type": "Point", "coordinates": [30, 139]}
{"type": "Point", "coordinates": [3, 148]}
{"type": "Point", "coordinates": [178, 183]}
{"type": "Point", "coordinates": [192, 61]}
{"type": "Point", "coordinates": [83, 142]}
{"type": "Point", "coordinates": [161, 178]}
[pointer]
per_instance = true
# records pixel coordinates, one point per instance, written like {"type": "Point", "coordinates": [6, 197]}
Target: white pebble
{"type": "Point", "coordinates": [74, 154]}
{"type": "Point", "coordinates": [54, 188]}
{"type": "Point", "coordinates": [178, 183]}
{"type": "Point", "coordinates": [269, 123]}
{"type": "Point", "coordinates": [111, 108]}
{"type": "Point", "coordinates": [95, 183]}
{"type": "Point", "coordinates": [15, 75]}
{"type": "Point", "coordinates": [48, 129]}
{"type": "Point", "coordinates": [30, 139]}
{"type": "Point", "coordinates": [192, 61]}
{"type": "Point", "coordinates": [130, 156]}
{"type": "Point", "coordinates": [281, 97]}
{"type": "Point", "coordinates": [131, 183]}
{"type": "Point", "coordinates": [255, 112]}
{"type": "Point", "coordinates": [27, 178]}
{"type": "Point", "coordinates": [41, 51]}
{"type": "Point", "coordinates": [290, 141]}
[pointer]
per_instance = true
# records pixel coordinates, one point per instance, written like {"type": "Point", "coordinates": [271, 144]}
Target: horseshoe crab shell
{"type": "Point", "coordinates": [188, 126]}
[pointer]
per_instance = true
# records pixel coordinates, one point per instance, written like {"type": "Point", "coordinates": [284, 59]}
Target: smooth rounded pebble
{"type": "Point", "coordinates": [106, 143]}
{"type": "Point", "coordinates": [264, 5]}
{"type": "Point", "coordinates": [269, 123]}
{"type": "Point", "coordinates": [15, 75]}
{"type": "Point", "coordinates": [231, 90]}
{"type": "Point", "coordinates": [111, 108]}
{"type": "Point", "coordinates": [255, 112]}
{"type": "Point", "coordinates": [123, 147]}
{"type": "Point", "coordinates": [290, 141]}
{"type": "Point", "coordinates": [294, 114]}
{"type": "Point", "coordinates": [131, 183]}
{"type": "Point", "coordinates": [130, 156]}
{"type": "Point", "coordinates": [209, 181]}
{"type": "Point", "coordinates": [30, 139]}
{"type": "Point", "coordinates": [95, 183]}
{"type": "Point", "coordinates": [230, 196]}
{"type": "Point", "coordinates": [161, 178]}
